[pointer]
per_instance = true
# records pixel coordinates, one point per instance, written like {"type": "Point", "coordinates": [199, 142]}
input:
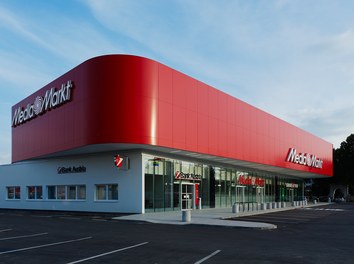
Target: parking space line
{"type": "Point", "coordinates": [107, 253]}
{"type": "Point", "coordinates": [45, 245]}
{"type": "Point", "coordinates": [70, 218]}
{"type": "Point", "coordinates": [5, 230]}
{"type": "Point", "coordinates": [207, 257]}
{"type": "Point", "coordinates": [16, 237]}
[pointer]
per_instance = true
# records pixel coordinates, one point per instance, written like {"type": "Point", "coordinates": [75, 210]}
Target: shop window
{"type": "Point", "coordinates": [81, 192]}
{"type": "Point", "coordinates": [34, 192]}
{"type": "Point", "coordinates": [106, 192]}
{"type": "Point", "coordinates": [61, 192]}
{"type": "Point", "coordinates": [52, 193]}
{"type": "Point", "coordinates": [66, 192]}
{"type": "Point", "coordinates": [13, 192]}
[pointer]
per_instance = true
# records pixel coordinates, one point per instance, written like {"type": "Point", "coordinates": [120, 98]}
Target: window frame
{"type": "Point", "coordinates": [37, 192]}
{"type": "Point", "coordinates": [63, 192]}
{"type": "Point", "coordinates": [16, 193]}
{"type": "Point", "coordinates": [107, 192]}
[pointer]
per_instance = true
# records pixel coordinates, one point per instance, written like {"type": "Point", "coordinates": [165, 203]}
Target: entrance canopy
{"type": "Point", "coordinates": [209, 159]}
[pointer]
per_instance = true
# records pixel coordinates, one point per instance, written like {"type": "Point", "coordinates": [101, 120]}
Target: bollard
{"type": "Point", "coordinates": [315, 201]}
{"type": "Point", "coordinates": [263, 206]}
{"type": "Point", "coordinates": [235, 208]}
{"type": "Point", "coordinates": [283, 204]}
{"type": "Point", "coordinates": [242, 207]}
{"type": "Point", "coordinates": [200, 203]}
{"type": "Point", "coordinates": [186, 215]}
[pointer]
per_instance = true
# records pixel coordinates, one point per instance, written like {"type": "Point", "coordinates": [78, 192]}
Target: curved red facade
{"type": "Point", "coordinates": [134, 100]}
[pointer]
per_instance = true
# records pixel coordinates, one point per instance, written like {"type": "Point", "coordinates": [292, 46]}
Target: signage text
{"type": "Point", "coordinates": [53, 98]}
{"type": "Point", "coordinates": [187, 176]}
{"type": "Point", "coordinates": [305, 159]}
{"type": "Point", "coordinates": [73, 169]}
{"type": "Point", "coordinates": [254, 181]}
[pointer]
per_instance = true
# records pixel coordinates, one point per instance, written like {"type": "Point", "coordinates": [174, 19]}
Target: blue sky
{"type": "Point", "coordinates": [292, 59]}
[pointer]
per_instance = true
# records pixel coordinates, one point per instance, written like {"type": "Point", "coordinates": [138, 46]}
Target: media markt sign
{"type": "Point", "coordinates": [53, 98]}
{"type": "Point", "coordinates": [305, 159]}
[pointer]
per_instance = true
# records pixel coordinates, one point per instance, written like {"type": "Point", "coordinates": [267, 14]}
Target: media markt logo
{"type": "Point", "coordinates": [52, 98]}
{"type": "Point", "coordinates": [305, 159]}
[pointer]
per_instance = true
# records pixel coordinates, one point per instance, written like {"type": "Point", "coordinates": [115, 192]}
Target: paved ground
{"type": "Point", "coordinates": [315, 235]}
{"type": "Point", "coordinates": [215, 217]}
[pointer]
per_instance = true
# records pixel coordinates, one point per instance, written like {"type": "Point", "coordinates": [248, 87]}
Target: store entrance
{"type": "Point", "coordinates": [187, 194]}
{"type": "Point", "coordinates": [240, 194]}
{"type": "Point", "coordinates": [260, 195]}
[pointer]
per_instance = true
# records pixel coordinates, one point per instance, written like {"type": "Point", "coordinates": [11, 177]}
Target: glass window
{"type": "Point", "coordinates": [113, 192]}
{"type": "Point", "coordinates": [107, 192]}
{"type": "Point", "coordinates": [66, 192]}
{"type": "Point", "coordinates": [34, 192]}
{"type": "Point", "coordinates": [13, 192]}
{"type": "Point", "coordinates": [101, 192]}
{"type": "Point", "coordinates": [61, 192]}
{"type": "Point", "coordinates": [52, 193]}
{"type": "Point", "coordinates": [81, 192]}
{"type": "Point", "coordinates": [72, 192]}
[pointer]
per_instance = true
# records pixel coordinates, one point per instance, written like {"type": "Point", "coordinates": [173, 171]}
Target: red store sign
{"type": "Point", "coordinates": [253, 181]}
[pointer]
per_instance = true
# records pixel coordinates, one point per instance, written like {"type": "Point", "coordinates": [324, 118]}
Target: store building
{"type": "Point", "coordinates": [122, 133]}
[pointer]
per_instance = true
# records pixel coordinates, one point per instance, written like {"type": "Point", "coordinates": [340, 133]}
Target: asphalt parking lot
{"type": "Point", "coordinates": [316, 235]}
{"type": "Point", "coordinates": [298, 216]}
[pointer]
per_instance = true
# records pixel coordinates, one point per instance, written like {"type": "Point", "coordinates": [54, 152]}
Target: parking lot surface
{"type": "Point", "coordinates": [314, 235]}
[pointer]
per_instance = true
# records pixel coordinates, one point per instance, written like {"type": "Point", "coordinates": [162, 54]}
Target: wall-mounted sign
{"type": "Point", "coordinates": [73, 169]}
{"type": "Point", "coordinates": [253, 181]}
{"type": "Point", "coordinates": [121, 162]}
{"type": "Point", "coordinates": [291, 185]}
{"type": "Point", "coordinates": [118, 161]}
{"type": "Point", "coordinates": [187, 176]}
{"type": "Point", "coordinates": [53, 98]}
{"type": "Point", "coordinates": [305, 159]}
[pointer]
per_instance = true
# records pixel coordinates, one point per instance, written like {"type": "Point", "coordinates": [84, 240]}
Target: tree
{"type": "Point", "coordinates": [343, 169]}
{"type": "Point", "coordinates": [343, 161]}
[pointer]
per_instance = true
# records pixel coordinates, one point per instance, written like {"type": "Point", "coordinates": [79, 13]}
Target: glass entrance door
{"type": "Point", "coordinates": [240, 194]}
{"type": "Point", "coordinates": [187, 196]}
{"type": "Point", "coordinates": [260, 195]}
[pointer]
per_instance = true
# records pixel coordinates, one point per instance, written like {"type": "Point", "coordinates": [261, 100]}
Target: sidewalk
{"type": "Point", "coordinates": [213, 217]}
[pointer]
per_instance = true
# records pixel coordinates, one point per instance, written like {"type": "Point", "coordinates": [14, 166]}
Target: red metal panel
{"type": "Point", "coordinates": [129, 99]}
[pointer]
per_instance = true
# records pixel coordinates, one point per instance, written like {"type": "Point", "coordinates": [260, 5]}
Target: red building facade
{"type": "Point", "coordinates": [123, 101]}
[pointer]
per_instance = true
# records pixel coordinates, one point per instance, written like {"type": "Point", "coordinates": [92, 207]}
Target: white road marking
{"type": "Point", "coordinates": [325, 209]}
{"type": "Point", "coordinates": [45, 245]}
{"type": "Point", "coordinates": [107, 253]}
{"type": "Point", "coordinates": [70, 218]}
{"type": "Point", "coordinates": [208, 257]}
{"type": "Point", "coordinates": [5, 230]}
{"type": "Point", "coordinates": [16, 237]}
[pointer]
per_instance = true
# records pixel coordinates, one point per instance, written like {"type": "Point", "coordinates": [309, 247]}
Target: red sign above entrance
{"type": "Point", "coordinates": [254, 181]}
